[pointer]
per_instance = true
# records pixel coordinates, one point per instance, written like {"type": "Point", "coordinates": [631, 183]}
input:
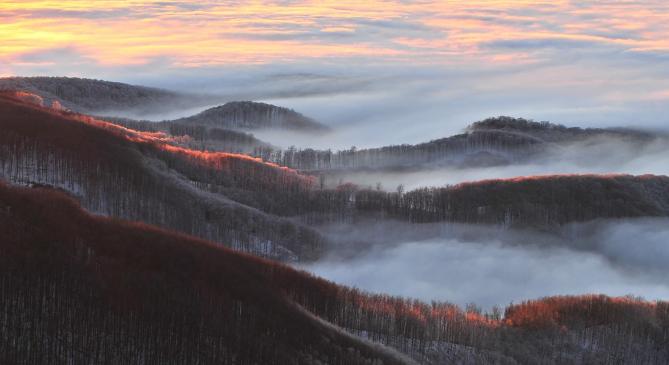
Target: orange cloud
{"type": "Point", "coordinates": [209, 33]}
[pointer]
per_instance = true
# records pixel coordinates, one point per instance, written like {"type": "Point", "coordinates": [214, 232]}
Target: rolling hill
{"type": "Point", "coordinates": [127, 293]}
{"type": "Point", "coordinates": [249, 204]}
{"type": "Point", "coordinates": [228, 198]}
{"type": "Point", "coordinates": [491, 142]}
{"type": "Point", "coordinates": [533, 201]}
{"type": "Point", "coordinates": [88, 289]}
{"type": "Point", "coordinates": [248, 115]}
{"type": "Point", "coordinates": [98, 96]}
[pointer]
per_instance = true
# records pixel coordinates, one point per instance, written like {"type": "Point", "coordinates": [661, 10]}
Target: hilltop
{"type": "Point", "coordinates": [253, 115]}
{"type": "Point", "coordinates": [97, 96]}
{"type": "Point", "coordinates": [492, 142]}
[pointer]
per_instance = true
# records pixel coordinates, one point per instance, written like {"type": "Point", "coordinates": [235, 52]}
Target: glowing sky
{"type": "Point", "coordinates": [193, 34]}
{"type": "Point", "coordinates": [569, 59]}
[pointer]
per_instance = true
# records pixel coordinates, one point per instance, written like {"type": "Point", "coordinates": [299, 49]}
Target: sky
{"type": "Point", "coordinates": [418, 69]}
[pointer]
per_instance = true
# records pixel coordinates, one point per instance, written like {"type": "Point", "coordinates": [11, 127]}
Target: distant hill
{"type": "Point", "coordinates": [251, 115]}
{"type": "Point", "coordinates": [491, 142]}
{"type": "Point", "coordinates": [96, 96]}
{"type": "Point", "coordinates": [550, 132]}
{"type": "Point", "coordinates": [535, 201]}
{"type": "Point", "coordinates": [115, 99]}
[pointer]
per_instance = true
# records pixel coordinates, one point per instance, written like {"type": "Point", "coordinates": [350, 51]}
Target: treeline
{"type": "Point", "coordinates": [493, 141]}
{"type": "Point", "coordinates": [90, 96]}
{"type": "Point", "coordinates": [137, 176]}
{"type": "Point", "coordinates": [474, 148]}
{"type": "Point", "coordinates": [551, 132]}
{"type": "Point", "coordinates": [79, 288]}
{"type": "Point", "coordinates": [253, 115]}
{"type": "Point", "coordinates": [199, 137]}
{"type": "Point", "coordinates": [540, 201]}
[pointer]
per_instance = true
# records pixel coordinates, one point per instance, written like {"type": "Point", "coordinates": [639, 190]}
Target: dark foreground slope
{"type": "Point", "coordinates": [79, 289]}
{"type": "Point", "coordinates": [228, 198]}
{"type": "Point", "coordinates": [75, 288]}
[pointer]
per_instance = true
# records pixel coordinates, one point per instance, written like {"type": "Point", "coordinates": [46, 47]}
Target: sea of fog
{"type": "Point", "coordinates": [377, 107]}
{"type": "Point", "coordinates": [594, 157]}
{"type": "Point", "coordinates": [490, 266]}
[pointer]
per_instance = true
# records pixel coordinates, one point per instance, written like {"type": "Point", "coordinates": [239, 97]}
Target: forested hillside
{"type": "Point", "coordinates": [246, 203]}
{"type": "Point", "coordinates": [97, 96]}
{"type": "Point", "coordinates": [555, 132]}
{"type": "Point", "coordinates": [80, 288]}
{"type": "Point", "coordinates": [76, 288]}
{"type": "Point", "coordinates": [491, 142]}
{"type": "Point", "coordinates": [199, 136]}
{"type": "Point", "coordinates": [94, 96]}
{"type": "Point", "coordinates": [539, 201]}
{"type": "Point", "coordinates": [115, 171]}
{"type": "Point", "coordinates": [247, 115]}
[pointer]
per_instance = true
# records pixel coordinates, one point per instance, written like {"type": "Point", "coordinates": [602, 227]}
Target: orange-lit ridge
{"type": "Point", "coordinates": [159, 140]}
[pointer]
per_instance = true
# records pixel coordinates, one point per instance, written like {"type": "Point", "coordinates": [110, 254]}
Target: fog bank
{"type": "Point", "coordinates": [490, 267]}
{"type": "Point", "coordinates": [603, 156]}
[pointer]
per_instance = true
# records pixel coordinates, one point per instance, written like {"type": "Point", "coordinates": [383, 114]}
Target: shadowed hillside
{"type": "Point", "coordinates": [88, 289]}
{"type": "Point", "coordinates": [251, 115]}
{"type": "Point", "coordinates": [491, 142]}
{"type": "Point", "coordinates": [200, 137]}
{"type": "Point", "coordinates": [95, 96]}
{"type": "Point", "coordinates": [540, 201]}
{"type": "Point", "coordinates": [75, 288]}
{"type": "Point", "coordinates": [115, 171]}
{"type": "Point", "coordinates": [550, 132]}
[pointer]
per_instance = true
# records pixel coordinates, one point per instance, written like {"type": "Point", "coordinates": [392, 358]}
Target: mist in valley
{"type": "Point", "coordinates": [377, 105]}
{"type": "Point", "coordinates": [593, 156]}
{"type": "Point", "coordinates": [491, 266]}
{"type": "Point", "coordinates": [161, 112]}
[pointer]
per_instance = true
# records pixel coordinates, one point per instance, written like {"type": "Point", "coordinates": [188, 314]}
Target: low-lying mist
{"type": "Point", "coordinates": [160, 113]}
{"type": "Point", "coordinates": [491, 266]}
{"type": "Point", "coordinates": [600, 156]}
{"type": "Point", "coordinates": [375, 105]}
